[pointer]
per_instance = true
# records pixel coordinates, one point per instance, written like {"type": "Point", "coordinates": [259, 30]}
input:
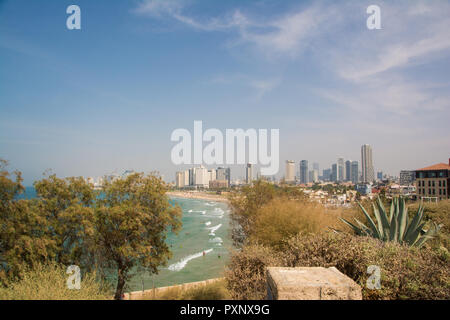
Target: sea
{"type": "Point", "coordinates": [200, 250]}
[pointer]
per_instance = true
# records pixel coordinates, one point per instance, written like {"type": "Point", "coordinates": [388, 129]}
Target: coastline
{"type": "Point", "coordinates": [197, 195]}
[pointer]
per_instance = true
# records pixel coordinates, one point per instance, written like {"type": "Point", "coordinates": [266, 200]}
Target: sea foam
{"type": "Point", "coordinates": [182, 263]}
{"type": "Point", "coordinates": [214, 229]}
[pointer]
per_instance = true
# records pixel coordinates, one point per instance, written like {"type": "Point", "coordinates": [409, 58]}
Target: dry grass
{"type": "Point", "coordinates": [48, 282]}
{"type": "Point", "coordinates": [281, 219]}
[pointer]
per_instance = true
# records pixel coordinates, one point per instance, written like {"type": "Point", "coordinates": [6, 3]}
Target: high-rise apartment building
{"type": "Point", "coordinates": [334, 173]}
{"type": "Point", "coordinates": [201, 175]}
{"type": "Point", "coordinates": [340, 169]}
{"type": "Point", "coordinates": [314, 176]}
{"type": "Point", "coordinates": [316, 166]}
{"type": "Point", "coordinates": [348, 170]}
{"type": "Point", "coordinates": [224, 174]}
{"type": "Point", "coordinates": [326, 175]}
{"type": "Point", "coordinates": [249, 173]}
{"type": "Point", "coordinates": [368, 174]}
{"type": "Point", "coordinates": [290, 171]}
{"type": "Point", "coordinates": [355, 172]}
{"type": "Point", "coordinates": [179, 179]}
{"type": "Point", "coordinates": [304, 172]}
{"type": "Point", "coordinates": [191, 176]}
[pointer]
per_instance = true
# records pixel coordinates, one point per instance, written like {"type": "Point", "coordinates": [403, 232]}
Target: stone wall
{"type": "Point", "coordinates": [137, 295]}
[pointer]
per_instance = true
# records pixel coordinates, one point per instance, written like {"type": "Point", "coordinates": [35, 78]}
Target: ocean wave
{"type": "Point", "coordinates": [190, 210]}
{"type": "Point", "coordinates": [216, 240]}
{"type": "Point", "coordinates": [211, 204]}
{"type": "Point", "coordinates": [182, 263]}
{"type": "Point", "coordinates": [208, 223]}
{"type": "Point", "coordinates": [214, 229]}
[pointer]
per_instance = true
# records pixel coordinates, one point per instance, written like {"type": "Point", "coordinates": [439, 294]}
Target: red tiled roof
{"type": "Point", "coordinates": [439, 166]}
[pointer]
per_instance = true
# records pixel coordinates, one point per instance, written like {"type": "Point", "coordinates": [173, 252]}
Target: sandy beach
{"type": "Point", "coordinates": [197, 195]}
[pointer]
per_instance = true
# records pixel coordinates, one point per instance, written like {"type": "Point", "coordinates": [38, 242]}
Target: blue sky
{"type": "Point", "coordinates": [107, 97]}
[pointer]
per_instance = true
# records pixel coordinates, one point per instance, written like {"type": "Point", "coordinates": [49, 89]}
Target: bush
{"type": "Point", "coordinates": [213, 291]}
{"type": "Point", "coordinates": [406, 272]}
{"type": "Point", "coordinates": [246, 272]}
{"type": "Point", "coordinates": [48, 282]}
{"type": "Point", "coordinates": [281, 219]}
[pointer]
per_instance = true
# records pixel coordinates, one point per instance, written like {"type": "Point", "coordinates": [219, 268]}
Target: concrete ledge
{"type": "Point", "coordinates": [137, 295]}
{"type": "Point", "coordinates": [310, 284]}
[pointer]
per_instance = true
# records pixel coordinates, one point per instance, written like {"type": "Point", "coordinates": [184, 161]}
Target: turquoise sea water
{"type": "Point", "coordinates": [205, 229]}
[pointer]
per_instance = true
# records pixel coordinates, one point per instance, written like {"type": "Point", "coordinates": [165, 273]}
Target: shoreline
{"type": "Point", "coordinates": [197, 195]}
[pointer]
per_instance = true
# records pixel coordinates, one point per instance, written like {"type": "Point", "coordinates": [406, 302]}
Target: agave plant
{"type": "Point", "coordinates": [397, 226]}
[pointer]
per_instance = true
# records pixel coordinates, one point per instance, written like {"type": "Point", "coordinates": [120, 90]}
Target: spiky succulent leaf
{"type": "Point", "coordinates": [372, 225]}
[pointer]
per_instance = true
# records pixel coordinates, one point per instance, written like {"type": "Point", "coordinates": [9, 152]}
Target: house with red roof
{"type": "Point", "coordinates": [433, 182]}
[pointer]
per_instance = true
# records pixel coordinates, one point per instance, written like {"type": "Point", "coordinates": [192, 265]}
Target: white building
{"type": "Point", "coordinates": [249, 173]}
{"type": "Point", "coordinates": [201, 177]}
{"type": "Point", "coordinates": [290, 171]}
{"type": "Point", "coordinates": [368, 174]}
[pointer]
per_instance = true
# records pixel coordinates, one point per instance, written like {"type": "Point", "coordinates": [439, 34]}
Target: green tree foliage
{"type": "Point", "coordinates": [122, 226]}
{"type": "Point", "coordinates": [68, 206]}
{"type": "Point", "coordinates": [23, 237]}
{"type": "Point", "coordinates": [133, 219]}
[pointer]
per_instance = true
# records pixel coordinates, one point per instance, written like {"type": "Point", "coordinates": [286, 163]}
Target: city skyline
{"type": "Point", "coordinates": [106, 98]}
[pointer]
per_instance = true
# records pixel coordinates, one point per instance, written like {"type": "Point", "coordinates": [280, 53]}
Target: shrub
{"type": "Point", "coordinates": [48, 282]}
{"type": "Point", "coordinates": [246, 272]}
{"type": "Point", "coordinates": [281, 219]}
{"type": "Point", "coordinates": [406, 272]}
{"type": "Point", "coordinates": [213, 291]}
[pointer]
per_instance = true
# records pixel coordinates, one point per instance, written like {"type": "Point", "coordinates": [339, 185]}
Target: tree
{"type": "Point", "coordinates": [23, 238]}
{"type": "Point", "coordinates": [68, 207]}
{"type": "Point", "coordinates": [133, 218]}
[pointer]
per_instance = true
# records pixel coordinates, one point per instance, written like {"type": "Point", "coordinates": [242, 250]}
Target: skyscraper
{"type": "Point", "coordinates": [368, 174]}
{"type": "Point", "coordinates": [313, 176]}
{"type": "Point", "coordinates": [304, 171]}
{"type": "Point", "coordinates": [224, 174]}
{"type": "Point", "coordinates": [340, 169]}
{"type": "Point", "coordinates": [316, 166]}
{"type": "Point", "coordinates": [326, 175]}
{"type": "Point", "coordinates": [355, 172]}
{"type": "Point", "coordinates": [348, 170]}
{"type": "Point", "coordinates": [334, 173]}
{"type": "Point", "coordinates": [249, 173]}
{"type": "Point", "coordinates": [290, 171]}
